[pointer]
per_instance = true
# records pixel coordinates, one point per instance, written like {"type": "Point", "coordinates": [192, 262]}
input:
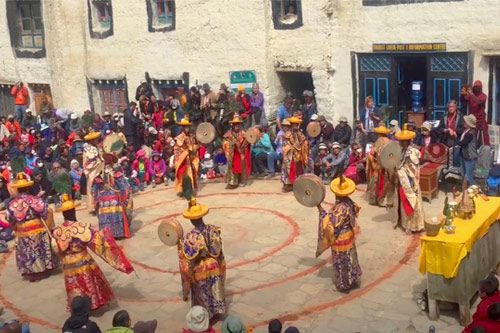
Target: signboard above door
{"type": "Point", "coordinates": [242, 78]}
{"type": "Point", "coordinates": [409, 47]}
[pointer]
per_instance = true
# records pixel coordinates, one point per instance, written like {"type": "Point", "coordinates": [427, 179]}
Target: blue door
{"type": "Point", "coordinates": [447, 75]}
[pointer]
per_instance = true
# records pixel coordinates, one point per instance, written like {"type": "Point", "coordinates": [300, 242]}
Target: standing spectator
{"type": "Point", "coordinates": [208, 103]}
{"type": "Point", "coordinates": [87, 120]}
{"type": "Point", "coordinates": [310, 108]}
{"type": "Point", "coordinates": [476, 100]}
{"type": "Point", "coordinates": [108, 125]}
{"type": "Point", "coordinates": [257, 104]}
{"type": "Point", "coordinates": [450, 129]}
{"type": "Point", "coordinates": [370, 116]}
{"type": "Point", "coordinates": [394, 128]}
{"type": "Point", "coordinates": [195, 113]}
{"type": "Point", "coordinates": [141, 166]}
{"type": "Point", "coordinates": [121, 323]}
{"type": "Point", "coordinates": [284, 111]}
{"type": "Point", "coordinates": [343, 132]}
{"type": "Point", "coordinates": [74, 124]}
{"type": "Point", "coordinates": [468, 150]}
{"type": "Point", "coordinates": [244, 107]}
{"type": "Point", "coordinates": [13, 127]}
{"type": "Point", "coordinates": [76, 175]}
{"type": "Point", "coordinates": [21, 96]}
{"type": "Point", "coordinates": [360, 135]}
{"type": "Point", "coordinates": [327, 131]}
{"type": "Point", "coordinates": [263, 154]}
{"type": "Point", "coordinates": [131, 124]}
{"type": "Point", "coordinates": [198, 321]}
{"type": "Point", "coordinates": [157, 113]}
{"type": "Point", "coordinates": [79, 321]}
{"type": "Point", "coordinates": [4, 132]}
{"type": "Point", "coordinates": [29, 121]}
{"type": "Point", "coordinates": [144, 89]}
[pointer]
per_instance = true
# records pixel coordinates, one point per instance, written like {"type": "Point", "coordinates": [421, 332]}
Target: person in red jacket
{"type": "Point", "coordinates": [21, 95]}
{"type": "Point", "coordinates": [13, 127]}
{"type": "Point", "coordinates": [488, 291]}
{"type": "Point", "coordinates": [243, 100]}
{"type": "Point", "coordinates": [476, 100]}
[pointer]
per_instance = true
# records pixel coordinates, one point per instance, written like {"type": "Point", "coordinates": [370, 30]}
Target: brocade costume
{"type": "Point", "coordinates": [93, 165]}
{"type": "Point", "coordinates": [203, 269]}
{"type": "Point", "coordinates": [237, 150]}
{"type": "Point", "coordinates": [33, 250]}
{"type": "Point", "coordinates": [336, 231]}
{"type": "Point", "coordinates": [82, 276]}
{"type": "Point", "coordinates": [111, 208]}
{"type": "Point", "coordinates": [186, 160]}
{"type": "Point", "coordinates": [295, 156]}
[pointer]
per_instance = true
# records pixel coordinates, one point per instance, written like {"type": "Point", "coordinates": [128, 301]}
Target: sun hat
{"type": "Point", "coordinates": [394, 122]}
{"type": "Point", "coordinates": [236, 120]}
{"type": "Point", "coordinates": [22, 181]}
{"type": "Point", "coordinates": [195, 210]}
{"type": "Point", "coordinates": [92, 136]}
{"type": "Point", "coordinates": [233, 324]}
{"type": "Point", "coordinates": [321, 118]}
{"type": "Point", "coordinates": [184, 122]}
{"type": "Point", "coordinates": [322, 146]}
{"type": "Point", "coordinates": [207, 155]}
{"type": "Point", "coordinates": [426, 125]}
{"type": "Point", "coordinates": [405, 134]}
{"type": "Point", "coordinates": [73, 116]}
{"type": "Point", "coordinates": [335, 145]}
{"type": "Point", "coordinates": [106, 114]}
{"type": "Point", "coordinates": [152, 130]}
{"type": "Point", "coordinates": [205, 86]}
{"type": "Point", "coordinates": [10, 116]}
{"type": "Point", "coordinates": [294, 120]}
{"type": "Point", "coordinates": [197, 319]}
{"type": "Point", "coordinates": [308, 93]}
{"type": "Point", "coordinates": [342, 186]}
{"type": "Point", "coordinates": [314, 117]}
{"type": "Point", "coordinates": [470, 120]}
{"type": "Point", "coordinates": [66, 203]}
{"type": "Point", "coordinates": [28, 110]}
{"type": "Point", "coordinates": [382, 129]}
{"type": "Point", "coordinates": [343, 119]}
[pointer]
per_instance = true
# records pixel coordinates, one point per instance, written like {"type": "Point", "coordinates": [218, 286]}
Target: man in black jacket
{"type": "Point", "coordinates": [343, 132]}
{"type": "Point", "coordinates": [131, 125]}
{"type": "Point", "coordinates": [143, 89]}
{"type": "Point", "coordinates": [79, 321]}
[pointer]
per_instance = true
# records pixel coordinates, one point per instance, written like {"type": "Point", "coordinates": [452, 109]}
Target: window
{"type": "Point", "coordinates": [161, 15]}
{"type": "Point", "coordinates": [398, 2]}
{"type": "Point", "coordinates": [25, 22]}
{"type": "Point", "coordinates": [100, 18]}
{"type": "Point", "coordinates": [287, 14]}
{"type": "Point", "coordinates": [109, 95]}
{"type": "Point", "coordinates": [6, 100]}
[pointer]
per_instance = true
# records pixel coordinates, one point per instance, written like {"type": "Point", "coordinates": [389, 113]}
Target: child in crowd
{"type": "Point", "coordinates": [141, 166]}
{"type": "Point", "coordinates": [220, 162]}
{"type": "Point", "coordinates": [76, 174]}
{"type": "Point", "coordinates": [207, 167]}
{"type": "Point", "coordinates": [129, 173]}
{"type": "Point", "coordinates": [158, 169]}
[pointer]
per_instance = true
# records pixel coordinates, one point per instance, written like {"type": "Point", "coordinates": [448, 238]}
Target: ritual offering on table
{"type": "Point", "coordinates": [466, 207]}
{"type": "Point", "coordinates": [432, 227]}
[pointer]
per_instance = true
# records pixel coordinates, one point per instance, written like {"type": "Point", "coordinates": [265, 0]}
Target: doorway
{"type": "Point", "coordinates": [296, 82]}
{"type": "Point", "coordinates": [410, 68]}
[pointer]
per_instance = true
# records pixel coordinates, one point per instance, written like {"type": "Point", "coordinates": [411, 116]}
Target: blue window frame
{"type": "Point", "coordinates": [382, 91]}
{"type": "Point", "coordinates": [439, 93]}
{"type": "Point", "coordinates": [454, 87]}
{"type": "Point", "coordinates": [370, 87]}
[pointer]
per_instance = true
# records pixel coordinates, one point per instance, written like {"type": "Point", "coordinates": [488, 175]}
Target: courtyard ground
{"type": "Point", "coordinates": [269, 244]}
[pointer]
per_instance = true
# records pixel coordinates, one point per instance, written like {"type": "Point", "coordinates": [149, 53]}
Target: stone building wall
{"type": "Point", "coordinates": [212, 38]}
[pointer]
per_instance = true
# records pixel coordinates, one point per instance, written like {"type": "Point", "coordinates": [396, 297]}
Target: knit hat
{"type": "Point", "coordinates": [233, 324]}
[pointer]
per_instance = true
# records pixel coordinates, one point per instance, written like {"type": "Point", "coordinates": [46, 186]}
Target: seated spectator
{"type": "Point", "coordinates": [356, 166]}
{"type": "Point", "coordinates": [360, 135]}
{"type": "Point", "coordinates": [76, 174]}
{"type": "Point", "coordinates": [41, 186]}
{"type": "Point", "coordinates": [220, 162]}
{"type": "Point", "coordinates": [197, 321]}
{"type": "Point", "coordinates": [233, 324]}
{"type": "Point", "coordinates": [121, 323]}
{"type": "Point", "coordinates": [342, 133]}
{"type": "Point", "coordinates": [490, 324]}
{"type": "Point", "coordinates": [493, 181]}
{"type": "Point", "coordinates": [274, 326]}
{"type": "Point", "coordinates": [158, 169]}
{"type": "Point", "coordinates": [320, 168]}
{"type": "Point", "coordinates": [207, 167]}
{"type": "Point", "coordinates": [145, 326]}
{"type": "Point", "coordinates": [488, 291]}
{"type": "Point", "coordinates": [129, 173]}
{"type": "Point", "coordinates": [141, 166]}
{"type": "Point", "coordinates": [79, 321]}
{"type": "Point", "coordinates": [263, 155]}
{"type": "Point", "coordinates": [338, 161]}
{"type": "Point", "coordinates": [424, 138]}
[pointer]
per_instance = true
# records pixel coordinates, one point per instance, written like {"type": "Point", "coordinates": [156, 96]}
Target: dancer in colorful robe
{"type": "Point", "coordinates": [201, 262]}
{"type": "Point", "coordinates": [295, 154]}
{"type": "Point", "coordinates": [237, 151]}
{"type": "Point", "coordinates": [375, 174]}
{"type": "Point", "coordinates": [336, 231]}
{"type": "Point", "coordinates": [111, 210]}
{"type": "Point", "coordinates": [34, 256]}
{"type": "Point", "coordinates": [186, 160]}
{"type": "Point", "coordinates": [410, 213]}
{"type": "Point", "coordinates": [93, 164]}
{"type": "Point", "coordinates": [82, 276]}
